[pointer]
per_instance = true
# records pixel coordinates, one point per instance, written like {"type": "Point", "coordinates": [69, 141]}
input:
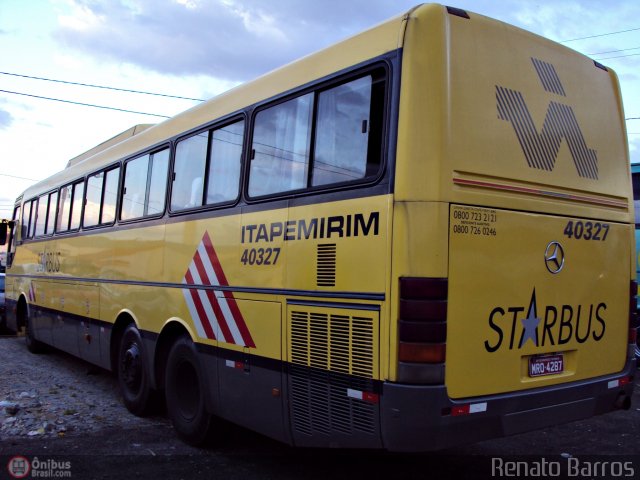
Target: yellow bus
{"type": "Point", "coordinates": [418, 237]}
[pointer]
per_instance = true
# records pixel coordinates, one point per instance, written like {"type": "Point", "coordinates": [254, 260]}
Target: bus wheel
{"type": "Point", "coordinates": [185, 393]}
{"type": "Point", "coordinates": [133, 373]}
{"type": "Point", "coordinates": [33, 345]}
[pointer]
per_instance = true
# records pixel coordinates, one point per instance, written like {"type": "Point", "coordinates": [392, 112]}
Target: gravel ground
{"type": "Point", "coordinates": [54, 395]}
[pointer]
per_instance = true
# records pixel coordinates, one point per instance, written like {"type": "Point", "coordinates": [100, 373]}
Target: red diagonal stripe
{"type": "Point", "coordinates": [237, 315]}
{"type": "Point", "coordinates": [222, 322]}
{"type": "Point", "coordinates": [208, 246]}
{"type": "Point", "coordinates": [233, 306]}
{"type": "Point", "coordinates": [202, 315]}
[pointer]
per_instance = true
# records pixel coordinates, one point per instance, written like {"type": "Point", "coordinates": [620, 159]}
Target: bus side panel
{"type": "Point", "coordinates": [250, 386]}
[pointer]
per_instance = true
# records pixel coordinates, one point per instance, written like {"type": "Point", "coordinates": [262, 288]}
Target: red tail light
{"type": "Point", "coordinates": [422, 329]}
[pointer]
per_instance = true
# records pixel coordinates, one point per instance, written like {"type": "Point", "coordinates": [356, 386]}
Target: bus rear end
{"type": "Point", "coordinates": [513, 250]}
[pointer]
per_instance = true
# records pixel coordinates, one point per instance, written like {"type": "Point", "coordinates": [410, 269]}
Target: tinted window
{"type": "Point", "coordinates": [145, 180]}
{"type": "Point", "coordinates": [102, 192]}
{"type": "Point", "coordinates": [70, 207]}
{"type": "Point", "coordinates": [64, 209]}
{"type": "Point", "coordinates": [158, 168]}
{"type": "Point", "coordinates": [135, 186]}
{"type": "Point", "coordinates": [94, 199]}
{"type": "Point", "coordinates": [76, 206]}
{"type": "Point", "coordinates": [110, 196]}
{"type": "Point", "coordinates": [224, 163]}
{"type": "Point", "coordinates": [347, 123]}
{"type": "Point", "coordinates": [342, 133]}
{"type": "Point", "coordinates": [188, 181]}
{"type": "Point", "coordinates": [280, 148]}
{"type": "Point", "coordinates": [30, 222]}
{"type": "Point", "coordinates": [41, 220]}
{"type": "Point", "coordinates": [51, 216]}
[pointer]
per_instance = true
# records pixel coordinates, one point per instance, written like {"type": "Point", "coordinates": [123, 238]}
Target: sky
{"type": "Point", "coordinates": [201, 48]}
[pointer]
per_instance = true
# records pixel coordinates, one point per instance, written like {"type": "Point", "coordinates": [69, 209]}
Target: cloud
{"type": "Point", "coordinates": [227, 39]}
{"type": "Point", "coordinates": [6, 119]}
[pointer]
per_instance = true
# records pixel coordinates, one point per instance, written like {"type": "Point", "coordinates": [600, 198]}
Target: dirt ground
{"type": "Point", "coordinates": [70, 412]}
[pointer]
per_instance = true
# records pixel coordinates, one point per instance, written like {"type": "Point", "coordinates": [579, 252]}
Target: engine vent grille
{"type": "Point", "coordinates": [321, 405]}
{"type": "Point", "coordinates": [332, 350]}
{"type": "Point", "coordinates": [334, 341]}
{"type": "Point", "coordinates": [326, 265]}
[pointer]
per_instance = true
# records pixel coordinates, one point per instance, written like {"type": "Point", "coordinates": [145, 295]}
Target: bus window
{"type": "Point", "coordinates": [135, 185]}
{"type": "Point", "coordinates": [70, 207]}
{"type": "Point", "coordinates": [41, 220]}
{"type": "Point", "coordinates": [342, 133]}
{"type": "Point", "coordinates": [94, 198]}
{"type": "Point", "coordinates": [102, 192]}
{"type": "Point", "coordinates": [188, 182]}
{"type": "Point", "coordinates": [51, 215]}
{"type": "Point", "coordinates": [158, 168]}
{"type": "Point", "coordinates": [29, 219]}
{"type": "Point", "coordinates": [76, 207]}
{"type": "Point", "coordinates": [145, 180]}
{"type": "Point", "coordinates": [280, 150]}
{"type": "Point", "coordinates": [110, 196]}
{"type": "Point", "coordinates": [64, 209]}
{"type": "Point", "coordinates": [224, 163]}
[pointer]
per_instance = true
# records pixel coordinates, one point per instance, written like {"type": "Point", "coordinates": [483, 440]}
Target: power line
{"type": "Point", "coordinates": [632, 118]}
{"type": "Point", "coordinates": [599, 35]}
{"type": "Point", "coordinates": [620, 56]}
{"type": "Point", "coordinates": [85, 104]}
{"type": "Point", "coordinates": [102, 86]}
{"type": "Point", "coordinates": [20, 178]}
{"type": "Point", "coordinates": [614, 51]}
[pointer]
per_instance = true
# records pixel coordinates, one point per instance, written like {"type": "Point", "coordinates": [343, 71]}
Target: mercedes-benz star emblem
{"type": "Point", "coordinates": [554, 257]}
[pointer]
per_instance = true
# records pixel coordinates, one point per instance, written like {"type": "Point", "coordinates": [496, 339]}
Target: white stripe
{"type": "Point", "coordinates": [231, 322]}
{"type": "Point", "coordinates": [208, 266]}
{"type": "Point", "coordinates": [206, 303]}
{"type": "Point", "coordinates": [194, 313]}
{"type": "Point", "coordinates": [222, 301]}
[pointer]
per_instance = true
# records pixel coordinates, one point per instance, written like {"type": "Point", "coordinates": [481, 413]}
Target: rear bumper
{"type": "Point", "coordinates": [418, 418]}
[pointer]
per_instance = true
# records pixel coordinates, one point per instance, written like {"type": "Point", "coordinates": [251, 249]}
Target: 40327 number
{"type": "Point", "coordinates": [260, 256]}
{"type": "Point", "coordinates": [587, 230]}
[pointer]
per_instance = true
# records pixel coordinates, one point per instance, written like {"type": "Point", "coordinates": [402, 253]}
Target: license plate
{"type": "Point", "coordinates": [547, 365]}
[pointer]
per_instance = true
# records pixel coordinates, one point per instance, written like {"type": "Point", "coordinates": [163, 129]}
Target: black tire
{"type": "Point", "coordinates": [33, 345]}
{"type": "Point", "coordinates": [134, 378]}
{"type": "Point", "coordinates": [185, 393]}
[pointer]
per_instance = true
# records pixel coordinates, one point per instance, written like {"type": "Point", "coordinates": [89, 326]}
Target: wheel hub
{"type": "Point", "coordinates": [131, 366]}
